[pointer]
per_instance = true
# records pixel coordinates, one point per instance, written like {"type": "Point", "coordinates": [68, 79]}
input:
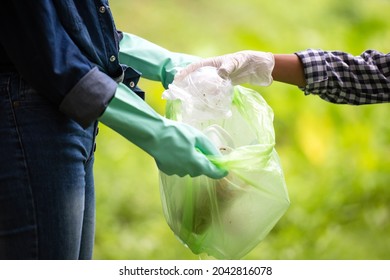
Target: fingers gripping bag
{"type": "Point", "coordinates": [225, 218]}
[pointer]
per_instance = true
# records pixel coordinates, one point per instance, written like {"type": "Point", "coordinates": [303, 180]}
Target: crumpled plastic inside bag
{"type": "Point", "coordinates": [225, 218]}
{"type": "Point", "coordinates": [204, 95]}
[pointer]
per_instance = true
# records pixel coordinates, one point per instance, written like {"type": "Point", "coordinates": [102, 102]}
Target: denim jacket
{"type": "Point", "coordinates": [65, 49]}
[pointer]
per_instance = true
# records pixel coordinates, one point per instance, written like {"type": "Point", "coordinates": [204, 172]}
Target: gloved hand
{"type": "Point", "coordinates": [241, 67]}
{"type": "Point", "coordinates": [177, 148]}
{"type": "Point", "coordinates": [154, 62]}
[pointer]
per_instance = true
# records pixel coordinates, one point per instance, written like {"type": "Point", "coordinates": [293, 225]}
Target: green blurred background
{"type": "Point", "coordinates": [336, 158]}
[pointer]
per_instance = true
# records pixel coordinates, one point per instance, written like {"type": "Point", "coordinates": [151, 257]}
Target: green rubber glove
{"type": "Point", "coordinates": [176, 147]}
{"type": "Point", "coordinates": [154, 62]}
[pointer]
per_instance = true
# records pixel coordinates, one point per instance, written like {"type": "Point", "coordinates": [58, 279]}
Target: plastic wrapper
{"type": "Point", "coordinates": [225, 218]}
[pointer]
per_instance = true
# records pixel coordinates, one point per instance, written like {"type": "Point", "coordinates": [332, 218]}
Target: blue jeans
{"type": "Point", "coordinates": [47, 204]}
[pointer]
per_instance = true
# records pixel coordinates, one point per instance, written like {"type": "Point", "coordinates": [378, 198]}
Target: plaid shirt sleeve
{"type": "Point", "coordinates": [339, 77]}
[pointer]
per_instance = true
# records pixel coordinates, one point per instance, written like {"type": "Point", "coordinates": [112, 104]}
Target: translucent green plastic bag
{"type": "Point", "coordinates": [227, 218]}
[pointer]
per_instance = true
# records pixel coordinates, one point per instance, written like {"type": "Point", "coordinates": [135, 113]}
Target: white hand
{"type": "Point", "coordinates": [241, 67]}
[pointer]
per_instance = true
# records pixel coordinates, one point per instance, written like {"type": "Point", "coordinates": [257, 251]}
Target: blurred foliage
{"type": "Point", "coordinates": [336, 158]}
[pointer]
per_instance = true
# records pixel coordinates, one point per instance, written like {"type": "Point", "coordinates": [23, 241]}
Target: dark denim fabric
{"type": "Point", "coordinates": [53, 44]}
{"type": "Point", "coordinates": [66, 49]}
{"type": "Point", "coordinates": [47, 200]}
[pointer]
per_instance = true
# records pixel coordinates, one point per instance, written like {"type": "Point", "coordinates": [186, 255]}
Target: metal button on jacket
{"type": "Point", "coordinates": [102, 9]}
